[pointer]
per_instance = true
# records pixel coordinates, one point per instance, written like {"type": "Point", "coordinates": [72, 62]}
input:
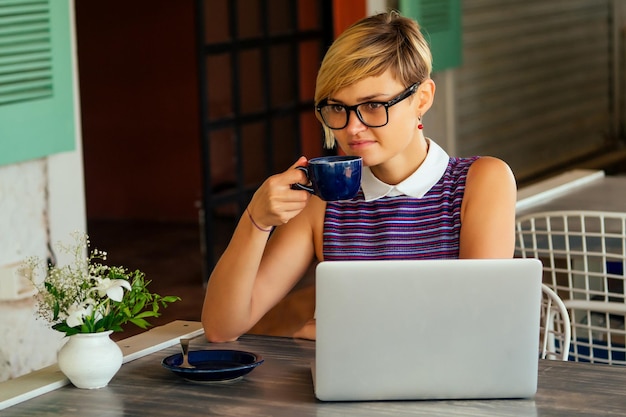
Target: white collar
{"type": "Point", "coordinates": [416, 185]}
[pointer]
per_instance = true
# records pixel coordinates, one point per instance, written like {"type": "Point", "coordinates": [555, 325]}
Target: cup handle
{"type": "Point", "coordinates": [298, 186]}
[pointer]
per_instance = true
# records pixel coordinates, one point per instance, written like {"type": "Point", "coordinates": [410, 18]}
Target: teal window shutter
{"type": "Point", "coordinates": [36, 83]}
{"type": "Point", "coordinates": [440, 21]}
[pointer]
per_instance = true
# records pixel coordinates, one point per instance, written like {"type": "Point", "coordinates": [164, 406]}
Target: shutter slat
{"type": "Point", "coordinates": [23, 20]}
{"type": "Point", "coordinates": [13, 59]}
{"type": "Point", "coordinates": [26, 95]}
{"type": "Point", "coordinates": [25, 51]}
{"type": "Point", "coordinates": [436, 16]}
{"type": "Point", "coordinates": [24, 40]}
{"type": "Point", "coordinates": [21, 8]}
{"type": "Point", "coordinates": [24, 76]}
{"type": "Point", "coordinates": [24, 67]}
{"type": "Point", "coordinates": [34, 27]}
{"type": "Point", "coordinates": [28, 85]}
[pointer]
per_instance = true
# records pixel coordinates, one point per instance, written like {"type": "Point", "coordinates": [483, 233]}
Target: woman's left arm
{"type": "Point", "coordinates": [488, 210]}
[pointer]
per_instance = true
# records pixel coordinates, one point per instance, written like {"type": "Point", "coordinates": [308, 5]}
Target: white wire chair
{"type": "Point", "coordinates": [584, 258]}
{"type": "Point", "coordinates": [555, 326]}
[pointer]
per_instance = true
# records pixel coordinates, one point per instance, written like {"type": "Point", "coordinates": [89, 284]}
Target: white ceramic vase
{"type": "Point", "coordinates": [90, 360]}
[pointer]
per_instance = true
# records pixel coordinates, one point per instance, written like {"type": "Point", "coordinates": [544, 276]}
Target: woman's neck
{"type": "Point", "coordinates": [403, 165]}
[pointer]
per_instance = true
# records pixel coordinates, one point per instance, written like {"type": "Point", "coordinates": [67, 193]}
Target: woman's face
{"type": "Point", "coordinates": [398, 143]}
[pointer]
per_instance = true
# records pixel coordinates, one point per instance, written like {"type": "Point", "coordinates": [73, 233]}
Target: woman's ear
{"type": "Point", "coordinates": [425, 96]}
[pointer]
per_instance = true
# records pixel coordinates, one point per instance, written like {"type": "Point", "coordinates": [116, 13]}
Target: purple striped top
{"type": "Point", "coordinates": [400, 227]}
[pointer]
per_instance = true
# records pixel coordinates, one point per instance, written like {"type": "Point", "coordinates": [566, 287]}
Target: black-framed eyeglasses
{"type": "Point", "coordinates": [370, 113]}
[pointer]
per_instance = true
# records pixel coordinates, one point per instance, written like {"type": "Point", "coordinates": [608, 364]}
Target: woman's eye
{"type": "Point", "coordinates": [336, 108]}
{"type": "Point", "coordinates": [371, 106]}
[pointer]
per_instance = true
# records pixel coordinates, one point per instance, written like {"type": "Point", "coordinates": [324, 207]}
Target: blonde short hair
{"type": "Point", "coordinates": [368, 48]}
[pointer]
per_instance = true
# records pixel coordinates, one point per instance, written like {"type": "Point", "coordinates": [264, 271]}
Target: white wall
{"type": "Point", "coordinates": [41, 202]}
{"type": "Point", "coordinates": [377, 6]}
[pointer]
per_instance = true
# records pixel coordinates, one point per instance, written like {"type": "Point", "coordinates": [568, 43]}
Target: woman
{"type": "Point", "coordinates": [415, 202]}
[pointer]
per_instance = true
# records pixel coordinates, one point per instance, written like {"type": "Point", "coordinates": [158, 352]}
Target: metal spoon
{"type": "Point", "coordinates": [184, 344]}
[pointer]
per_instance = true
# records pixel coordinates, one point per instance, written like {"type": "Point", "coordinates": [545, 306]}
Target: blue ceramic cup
{"type": "Point", "coordinates": [333, 177]}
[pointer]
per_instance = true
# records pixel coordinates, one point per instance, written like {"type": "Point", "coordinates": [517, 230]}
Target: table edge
{"type": "Point", "coordinates": [555, 186]}
{"type": "Point", "coordinates": [33, 384]}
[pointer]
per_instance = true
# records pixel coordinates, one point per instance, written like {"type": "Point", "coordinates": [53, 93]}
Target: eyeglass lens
{"type": "Point", "coordinates": [370, 114]}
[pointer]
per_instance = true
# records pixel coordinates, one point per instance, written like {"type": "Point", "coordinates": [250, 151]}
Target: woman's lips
{"type": "Point", "coordinates": [360, 144]}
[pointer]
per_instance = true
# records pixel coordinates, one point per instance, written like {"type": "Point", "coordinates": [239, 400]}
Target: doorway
{"type": "Point", "coordinates": [257, 65]}
{"type": "Point", "coordinates": [141, 116]}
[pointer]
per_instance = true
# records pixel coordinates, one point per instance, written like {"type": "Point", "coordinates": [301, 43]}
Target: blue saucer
{"type": "Point", "coordinates": [212, 366]}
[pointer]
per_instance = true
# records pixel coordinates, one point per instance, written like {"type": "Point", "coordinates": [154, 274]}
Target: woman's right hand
{"type": "Point", "coordinates": [255, 272]}
{"type": "Point", "coordinates": [275, 202]}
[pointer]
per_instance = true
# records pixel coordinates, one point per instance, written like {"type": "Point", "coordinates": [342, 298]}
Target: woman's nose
{"type": "Point", "coordinates": [354, 123]}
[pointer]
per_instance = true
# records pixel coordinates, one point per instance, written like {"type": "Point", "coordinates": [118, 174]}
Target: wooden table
{"type": "Point", "coordinates": [282, 386]}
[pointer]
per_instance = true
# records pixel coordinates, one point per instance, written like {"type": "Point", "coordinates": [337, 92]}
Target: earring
{"type": "Point", "coordinates": [420, 126]}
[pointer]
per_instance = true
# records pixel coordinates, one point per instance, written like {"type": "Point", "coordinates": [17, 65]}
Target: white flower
{"type": "Point", "coordinates": [113, 288]}
{"type": "Point", "coordinates": [76, 313]}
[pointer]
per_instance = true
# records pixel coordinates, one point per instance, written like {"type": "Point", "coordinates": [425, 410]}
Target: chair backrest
{"type": "Point", "coordinates": [584, 259]}
{"type": "Point", "coordinates": [555, 330]}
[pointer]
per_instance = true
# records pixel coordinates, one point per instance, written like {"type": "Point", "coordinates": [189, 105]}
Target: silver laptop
{"type": "Point", "coordinates": [435, 329]}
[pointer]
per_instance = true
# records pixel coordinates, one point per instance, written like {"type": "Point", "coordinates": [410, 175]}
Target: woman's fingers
{"type": "Point", "coordinates": [275, 202]}
{"type": "Point", "coordinates": [294, 175]}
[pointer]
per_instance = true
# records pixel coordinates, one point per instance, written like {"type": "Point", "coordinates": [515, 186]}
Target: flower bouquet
{"type": "Point", "coordinates": [87, 299]}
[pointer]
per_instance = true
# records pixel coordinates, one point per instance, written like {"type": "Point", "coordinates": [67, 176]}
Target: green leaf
{"type": "Point", "coordinates": [55, 311]}
{"type": "Point", "coordinates": [140, 323]}
{"type": "Point", "coordinates": [147, 314]}
{"type": "Point", "coordinates": [139, 306]}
